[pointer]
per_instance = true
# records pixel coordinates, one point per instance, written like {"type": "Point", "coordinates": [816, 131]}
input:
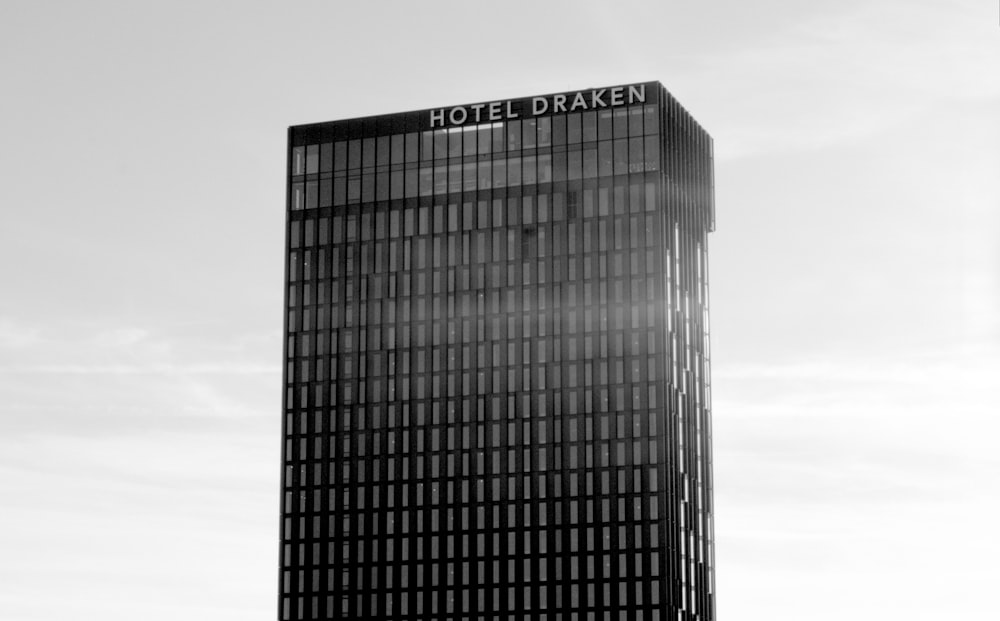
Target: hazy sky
{"type": "Point", "coordinates": [855, 281]}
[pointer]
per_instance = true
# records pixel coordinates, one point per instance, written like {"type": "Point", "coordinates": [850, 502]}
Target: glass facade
{"type": "Point", "coordinates": [496, 391]}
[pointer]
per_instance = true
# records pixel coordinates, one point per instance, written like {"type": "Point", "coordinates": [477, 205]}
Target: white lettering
{"type": "Point", "coordinates": [595, 99]}
{"type": "Point", "coordinates": [457, 119]}
{"type": "Point", "coordinates": [616, 96]}
{"type": "Point", "coordinates": [478, 108]}
{"type": "Point", "coordinates": [559, 103]}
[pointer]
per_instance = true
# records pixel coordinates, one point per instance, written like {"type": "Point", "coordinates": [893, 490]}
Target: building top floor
{"type": "Point", "coordinates": [456, 118]}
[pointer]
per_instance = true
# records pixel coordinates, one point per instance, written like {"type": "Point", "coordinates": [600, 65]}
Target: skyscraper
{"type": "Point", "coordinates": [496, 391]}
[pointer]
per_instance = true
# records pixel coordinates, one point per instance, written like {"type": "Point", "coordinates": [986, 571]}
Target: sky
{"type": "Point", "coordinates": [855, 280]}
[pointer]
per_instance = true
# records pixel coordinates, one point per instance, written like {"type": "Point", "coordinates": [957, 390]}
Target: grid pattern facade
{"type": "Point", "coordinates": [497, 396]}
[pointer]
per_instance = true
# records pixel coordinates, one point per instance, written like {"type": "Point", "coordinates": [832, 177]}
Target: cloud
{"type": "Point", "coordinates": [130, 451]}
{"type": "Point", "coordinates": [16, 336]}
{"type": "Point", "coordinates": [843, 474]}
{"type": "Point", "coordinates": [92, 380]}
{"type": "Point", "coordinates": [963, 365]}
{"type": "Point", "coordinates": [220, 368]}
{"type": "Point", "coordinates": [851, 72]}
{"type": "Point", "coordinates": [152, 516]}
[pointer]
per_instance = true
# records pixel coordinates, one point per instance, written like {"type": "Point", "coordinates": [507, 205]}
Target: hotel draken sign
{"type": "Point", "coordinates": [549, 104]}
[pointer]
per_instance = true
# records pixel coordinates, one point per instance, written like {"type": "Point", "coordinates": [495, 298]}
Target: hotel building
{"type": "Point", "coordinates": [496, 394]}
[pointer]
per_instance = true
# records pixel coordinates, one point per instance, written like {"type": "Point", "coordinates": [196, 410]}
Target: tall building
{"type": "Point", "coordinates": [497, 396]}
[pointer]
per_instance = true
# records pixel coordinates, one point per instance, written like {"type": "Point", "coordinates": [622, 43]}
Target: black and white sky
{"type": "Point", "coordinates": [855, 278]}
